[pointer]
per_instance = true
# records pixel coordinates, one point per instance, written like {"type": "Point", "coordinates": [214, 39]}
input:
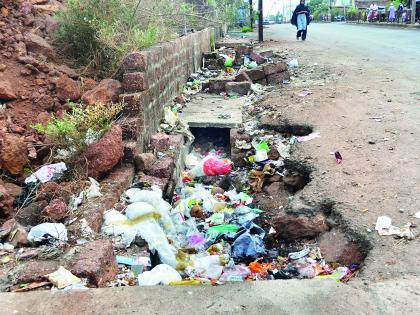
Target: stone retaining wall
{"type": "Point", "coordinates": [153, 78]}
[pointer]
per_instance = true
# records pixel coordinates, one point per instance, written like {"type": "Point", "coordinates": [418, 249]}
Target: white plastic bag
{"type": "Point", "coordinates": [161, 274]}
{"type": "Point", "coordinates": [94, 190]}
{"type": "Point", "coordinates": [44, 231]}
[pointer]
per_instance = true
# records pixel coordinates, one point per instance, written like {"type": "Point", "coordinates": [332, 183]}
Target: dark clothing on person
{"type": "Point", "coordinates": [302, 31]}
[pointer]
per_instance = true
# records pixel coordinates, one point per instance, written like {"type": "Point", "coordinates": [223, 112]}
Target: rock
{"type": "Point", "coordinates": [104, 154]}
{"type": "Point", "coordinates": [13, 153]}
{"type": "Point", "coordinates": [107, 91]}
{"type": "Point", "coordinates": [88, 84]}
{"type": "Point", "coordinates": [218, 85]}
{"type": "Point", "coordinates": [56, 211]}
{"type": "Point", "coordinates": [68, 71]}
{"type": "Point", "coordinates": [144, 161]}
{"type": "Point", "coordinates": [162, 168]}
{"type": "Point", "coordinates": [2, 67]}
{"type": "Point", "coordinates": [134, 82]}
{"type": "Point", "coordinates": [31, 214]}
{"type": "Point", "coordinates": [241, 88]}
{"type": "Point", "coordinates": [20, 48]}
{"type": "Point", "coordinates": [95, 261]}
{"type": "Point", "coordinates": [256, 74]}
{"type": "Point", "coordinates": [242, 77]}
{"type": "Point", "coordinates": [237, 134]}
{"type": "Point", "coordinates": [14, 233]}
{"type": "Point", "coordinates": [273, 68]}
{"type": "Point", "coordinates": [38, 45]}
{"type": "Point", "coordinates": [257, 58]}
{"type": "Point", "coordinates": [131, 150]}
{"type": "Point", "coordinates": [274, 178]}
{"type": "Point", "coordinates": [8, 193]}
{"type": "Point", "coordinates": [7, 93]}
{"type": "Point", "coordinates": [162, 183]}
{"type": "Point", "coordinates": [275, 197]}
{"type": "Point", "coordinates": [278, 78]}
{"type": "Point", "coordinates": [67, 89]}
{"type": "Point", "coordinates": [160, 142]}
{"type": "Point", "coordinates": [35, 270]}
{"type": "Point", "coordinates": [266, 53]}
{"type": "Point", "coordinates": [292, 227]}
{"type": "Point", "coordinates": [335, 247]}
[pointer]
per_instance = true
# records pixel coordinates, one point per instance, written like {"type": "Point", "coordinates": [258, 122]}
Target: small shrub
{"type": "Point", "coordinates": [98, 34]}
{"type": "Point", "coordinates": [72, 132]}
{"type": "Point", "coordinates": [246, 29]}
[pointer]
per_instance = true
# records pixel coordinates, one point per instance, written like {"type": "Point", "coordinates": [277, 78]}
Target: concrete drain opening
{"type": "Point", "coordinates": [265, 233]}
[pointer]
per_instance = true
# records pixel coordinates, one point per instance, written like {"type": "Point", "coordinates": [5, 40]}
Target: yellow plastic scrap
{"type": "Point", "coordinates": [63, 278]}
{"type": "Point", "coordinates": [186, 282]}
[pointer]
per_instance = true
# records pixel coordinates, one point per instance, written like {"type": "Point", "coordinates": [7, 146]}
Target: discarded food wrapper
{"type": "Point", "coordinates": [63, 278]}
{"type": "Point", "coordinates": [47, 173]}
{"type": "Point", "coordinates": [311, 136]}
{"type": "Point", "coordinates": [43, 231]}
{"type": "Point", "coordinates": [161, 274]}
{"type": "Point", "coordinates": [385, 228]}
{"type": "Point", "coordinates": [235, 274]}
{"type": "Point", "coordinates": [242, 144]}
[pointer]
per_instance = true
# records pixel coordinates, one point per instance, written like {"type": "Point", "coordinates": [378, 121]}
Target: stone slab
{"type": "Point", "coordinates": [204, 110]}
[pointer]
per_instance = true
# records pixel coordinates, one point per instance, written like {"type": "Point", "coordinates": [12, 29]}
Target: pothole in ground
{"type": "Point", "coordinates": [245, 225]}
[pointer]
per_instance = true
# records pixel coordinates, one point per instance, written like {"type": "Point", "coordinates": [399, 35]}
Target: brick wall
{"type": "Point", "coordinates": [153, 77]}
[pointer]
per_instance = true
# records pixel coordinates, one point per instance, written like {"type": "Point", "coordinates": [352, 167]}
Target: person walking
{"type": "Point", "coordinates": [391, 17]}
{"type": "Point", "coordinates": [400, 11]}
{"type": "Point", "coordinates": [301, 20]}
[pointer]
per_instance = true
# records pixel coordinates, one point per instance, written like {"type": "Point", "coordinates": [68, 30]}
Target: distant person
{"type": "Point", "coordinates": [301, 20]}
{"type": "Point", "coordinates": [391, 17]}
{"type": "Point", "coordinates": [400, 11]}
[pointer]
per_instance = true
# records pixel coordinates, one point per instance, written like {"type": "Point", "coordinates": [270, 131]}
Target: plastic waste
{"type": "Point", "coordinates": [47, 173]}
{"type": "Point", "coordinates": [311, 136]}
{"type": "Point", "coordinates": [212, 166]}
{"type": "Point", "coordinates": [210, 266]}
{"type": "Point", "coordinates": [385, 228]}
{"type": "Point", "coordinates": [229, 62]}
{"type": "Point", "coordinates": [307, 272]}
{"type": "Point", "coordinates": [293, 63]}
{"type": "Point", "coordinates": [260, 155]}
{"type": "Point", "coordinates": [63, 278]}
{"type": "Point", "coordinates": [237, 273]}
{"type": "Point", "coordinates": [216, 219]}
{"type": "Point", "coordinates": [161, 274]}
{"type": "Point", "coordinates": [249, 243]}
{"type": "Point", "coordinates": [46, 231]}
{"type": "Point", "coordinates": [338, 157]}
{"type": "Point", "coordinates": [94, 190]}
{"type": "Point", "coordinates": [222, 229]}
{"type": "Point", "coordinates": [252, 65]}
{"type": "Point", "coordinates": [300, 254]}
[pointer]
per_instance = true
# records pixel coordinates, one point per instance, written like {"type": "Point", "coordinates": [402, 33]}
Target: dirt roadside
{"type": "Point", "coordinates": [371, 117]}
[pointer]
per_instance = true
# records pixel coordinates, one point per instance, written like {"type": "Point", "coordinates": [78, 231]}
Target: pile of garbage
{"type": "Point", "coordinates": [210, 233]}
{"type": "Point", "coordinates": [232, 71]}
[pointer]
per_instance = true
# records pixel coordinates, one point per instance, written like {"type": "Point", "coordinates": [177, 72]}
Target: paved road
{"type": "Point", "coordinates": [397, 48]}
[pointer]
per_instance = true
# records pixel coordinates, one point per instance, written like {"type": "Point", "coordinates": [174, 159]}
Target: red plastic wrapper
{"type": "Point", "coordinates": [213, 166]}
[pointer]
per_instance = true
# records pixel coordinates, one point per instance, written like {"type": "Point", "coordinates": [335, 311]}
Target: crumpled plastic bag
{"type": "Point", "coordinates": [212, 166]}
{"type": "Point", "coordinates": [249, 242]}
{"type": "Point", "coordinates": [141, 219]}
{"type": "Point", "coordinates": [44, 231]}
{"type": "Point", "coordinates": [47, 173]}
{"type": "Point", "coordinates": [94, 190]}
{"type": "Point", "coordinates": [161, 274]}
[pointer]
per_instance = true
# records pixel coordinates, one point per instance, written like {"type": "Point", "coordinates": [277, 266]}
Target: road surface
{"type": "Point", "coordinates": [395, 49]}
